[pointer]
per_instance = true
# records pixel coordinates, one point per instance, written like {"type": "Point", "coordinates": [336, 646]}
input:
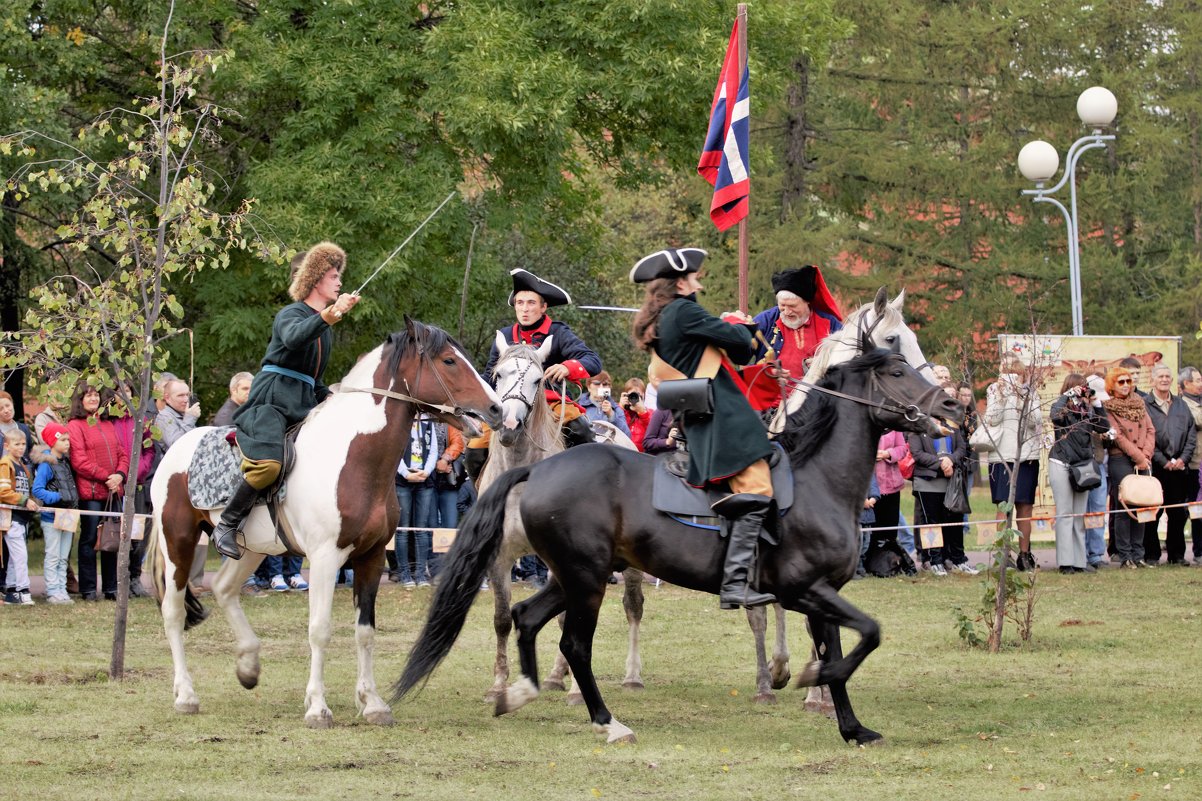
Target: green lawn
{"type": "Point", "coordinates": [1097, 706]}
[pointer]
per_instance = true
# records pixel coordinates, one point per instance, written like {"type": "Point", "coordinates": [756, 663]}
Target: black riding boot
{"type": "Point", "coordinates": [578, 432]}
{"type": "Point", "coordinates": [225, 535]}
{"type": "Point", "coordinates": [746, 514]}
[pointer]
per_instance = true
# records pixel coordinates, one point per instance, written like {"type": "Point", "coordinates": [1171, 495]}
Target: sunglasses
{"type": "Point", "coordinates": [1122, 381]}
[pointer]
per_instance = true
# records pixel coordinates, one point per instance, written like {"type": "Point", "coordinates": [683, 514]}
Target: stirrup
{"type": "Point", "coordinates": [223, 540]}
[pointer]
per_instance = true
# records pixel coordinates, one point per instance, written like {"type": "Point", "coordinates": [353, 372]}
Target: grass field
{"type": "Point", "coordinates": [1100, 705]}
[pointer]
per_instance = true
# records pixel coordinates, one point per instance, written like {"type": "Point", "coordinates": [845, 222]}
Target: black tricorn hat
{"type": "Point", "coordinates": [669, 263]}
{"type": "Point", "coordinates": [526, 281]}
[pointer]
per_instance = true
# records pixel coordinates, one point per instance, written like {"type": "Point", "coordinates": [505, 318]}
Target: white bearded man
{"type": "Point", "coordinates": [804, 315]}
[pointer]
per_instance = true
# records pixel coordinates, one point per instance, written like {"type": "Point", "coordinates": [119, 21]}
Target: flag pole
{"type": "Point", "coordinates": [744, 243]}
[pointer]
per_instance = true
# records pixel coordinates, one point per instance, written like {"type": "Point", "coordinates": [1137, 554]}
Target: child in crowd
{"type": "Point", "coordinates": [16, 480]}
{"type": "Point", "coordinates": [54, 486]}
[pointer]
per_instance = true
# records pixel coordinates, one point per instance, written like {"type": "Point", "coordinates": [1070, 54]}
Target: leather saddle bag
{"type": "Point", "coordinates": [691, 395]}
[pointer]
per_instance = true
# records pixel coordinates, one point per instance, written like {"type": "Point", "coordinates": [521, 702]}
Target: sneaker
{"type": "Point", "coordinates": [138, 590]}
{"type": "Point", "coordinates": [408, 584]}
{"type": "Point", "coordinates": [964, 569]}
{"type": "Point", "coordinates": [1142, 563]}
{"type": "Point", "coordinates": [278, 584]}
{"type": "Point", "coordinates": [12, 597]}
{"type": "Point", "coordinates": [423, 583]}
{"type": "Point", "coordinates": [937, 570]}
{"type": "Point", "coordinates": [26, 598]}
{"type": "Point", "coordinates": [484, 586]}
{"type": "Point", "coordinates": [59, 599]}
{"type": "Point", "coordinates": [298, 582]}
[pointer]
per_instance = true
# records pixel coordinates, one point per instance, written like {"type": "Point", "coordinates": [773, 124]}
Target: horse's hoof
{"type": "Point", "coordinates": [781, 681]}
{"type": "Point", "coordinates": [574, 699]}
{"type": "Point", "coordinates": [615, 732]}
{"type": "Point", "coordinates": [633, 684]}
{"type": "Point", "coordinates": [866, 737]}
{"type": "Point", "coordinates": [322, 720]}
{"type": "Point", "coordinates": [492, 695]}
{"type": "Point", "coordinates": [187, 707]}
{"type": "Point", "coordinates": [517, 696]}
{"type": "Point", "coordinates": [550, 684]}
{"type": "Point", "coordinates": [809, 675]}
{"type": "Point", "coordinates": [381, 717]}
{"type": "Point", "coordinates": [248, 680]}
{"type": "Point", "coordinates": [820, 708]}
{"type": "Point", "coordinates": [764, 698]}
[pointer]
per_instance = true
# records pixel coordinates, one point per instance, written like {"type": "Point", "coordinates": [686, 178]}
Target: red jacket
{"type": "Point", "coordinates": [96, 453]}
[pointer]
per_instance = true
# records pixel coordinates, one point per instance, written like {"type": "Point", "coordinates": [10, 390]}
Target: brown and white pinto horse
{"type": "Point", "coordinates": [340, 500]}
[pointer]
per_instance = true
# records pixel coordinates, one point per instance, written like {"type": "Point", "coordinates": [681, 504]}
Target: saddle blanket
{"type": "Point", "coordinates": [215, 471]}
{"type": "Point", "coordinates": [673, 495]}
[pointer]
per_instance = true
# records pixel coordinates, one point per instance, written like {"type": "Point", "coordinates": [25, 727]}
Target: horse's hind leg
{"type": "Point", "coordinates": [227, 590]}
{"type": "Point", "coordinates": [632, 602]}
{"type": "Point", "coordinates": [530, 616]}
{"type": "Point", "coordinates": [818, 697]}
{"type": "Point", "coordinates": [368, 568]}
{"type": "Point", "coordinates": [560, 671]}
{"type": "Point", "coordinates": [827, 639]}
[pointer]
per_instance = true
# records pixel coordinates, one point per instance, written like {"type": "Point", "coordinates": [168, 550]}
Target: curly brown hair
{"type": "Point", "coordinates": [659, 294]}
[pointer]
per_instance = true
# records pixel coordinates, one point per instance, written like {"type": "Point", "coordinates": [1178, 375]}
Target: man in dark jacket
{"type": "Point", "coordinates": [1176, 439]}
{"type": "Point", "coordinates": [730, 445]}
{"type": "Point", "coordinates": [289, 384]}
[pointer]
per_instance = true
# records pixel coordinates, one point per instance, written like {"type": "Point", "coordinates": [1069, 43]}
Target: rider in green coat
{"type": "Point", "coordinates": [730, 445]}
{"type": "Point", "coordinates": [289, 383]}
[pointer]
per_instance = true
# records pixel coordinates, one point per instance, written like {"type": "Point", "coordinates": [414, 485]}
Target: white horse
{"type": "Point", "coordinates": [340, 500]}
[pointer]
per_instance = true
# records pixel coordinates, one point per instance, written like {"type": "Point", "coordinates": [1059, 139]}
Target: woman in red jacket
{"type": "Point", "coordinates": [100, 463]}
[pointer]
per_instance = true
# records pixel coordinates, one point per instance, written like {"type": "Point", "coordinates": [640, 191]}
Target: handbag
{"type": "Point", "coordinates": [906, 466]}
{"type": "Point", "coordinates": [1138, 491]}
{"type": "Point", "coordinates": [1084, 475]}
{"type": "Point", "coordinates": [108, 533]}
{"type": "Point", "coordinates": [985, 438]}
{"type": "Point", "coordinates": [955, 497]}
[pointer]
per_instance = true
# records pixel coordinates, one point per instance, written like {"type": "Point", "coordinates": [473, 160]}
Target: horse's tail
{"type": "Point", "coordinates": [194, 611]}
{"type": "Point", "coordinates": [475, 549]}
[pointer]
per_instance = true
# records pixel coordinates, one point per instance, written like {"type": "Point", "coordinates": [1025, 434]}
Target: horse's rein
{"type": "Point", "coordinates": [910, 411]}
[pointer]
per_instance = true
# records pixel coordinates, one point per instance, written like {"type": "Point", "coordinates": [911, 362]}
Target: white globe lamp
{"type": "Point", "coordinates": [1038, 161]}
{"type": "Point", "coordinates": [1097, 107]}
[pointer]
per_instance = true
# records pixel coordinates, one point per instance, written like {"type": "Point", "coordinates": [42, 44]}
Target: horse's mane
{"type": "Point", "coordinates": [848, 336]}
{"type": "Point", "coordinates": [430, 338]}
{"type": "Point", "coordinates": [808, 428]}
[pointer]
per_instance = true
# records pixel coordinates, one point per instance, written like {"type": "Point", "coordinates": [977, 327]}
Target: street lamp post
{"type": "Point", "coordinates": [1038, 162]}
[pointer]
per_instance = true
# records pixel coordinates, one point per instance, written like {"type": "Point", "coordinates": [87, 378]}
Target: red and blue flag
{"type": "Point", "coordinates": [724, 158]}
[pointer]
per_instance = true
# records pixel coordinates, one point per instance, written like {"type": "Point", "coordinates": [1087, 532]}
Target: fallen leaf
{"type": "Point", "coordinates": [1041, 786]}
{"type": "Point", "coordinates": [734, 693]}
{"type": "Point", "coordinates": [596, 793]}
{"type": "Point", "coordinates": [726, 768]}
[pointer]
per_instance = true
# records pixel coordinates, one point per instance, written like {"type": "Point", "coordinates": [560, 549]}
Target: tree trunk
{"type": "Point", "coordinates": [14, 261]}
{"type": "Point", "coordinates": [793, 189]}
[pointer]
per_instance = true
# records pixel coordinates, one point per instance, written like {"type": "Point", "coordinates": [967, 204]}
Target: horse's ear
{"type": "Point", "coordinates": [896, 303]}
{"type": "Point", "coordinates": [502, 345]}
{"type": "Point", "coordinates": [409, 329]}
{"type": "Point", "coordinates": [879, 303]}
{"type": "Point", "coordinates": [865, 339]}
{"type": "Point", "coordinates": [544, 350]}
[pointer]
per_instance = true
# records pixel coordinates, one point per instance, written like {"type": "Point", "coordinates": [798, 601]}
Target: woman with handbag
{"type": "Point", "coordinates": [1013, 428]}
{"type": "Point", "coordinates": [935, 462]}
{"type": "Point", "coordinates": [100, 464]}
{"type": "Point", "coordinates": [890, 450]}
{"type": "Point", "coordinates": [1072, 472]}
{"type": "Point", "coordinates": [1133, 440]}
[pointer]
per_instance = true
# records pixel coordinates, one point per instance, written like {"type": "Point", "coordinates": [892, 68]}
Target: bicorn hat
{"type": "Point", "coordinates": [316, 262]}
{"type": "Point", "coordinates": [808, 284]}
{"type": "Point", "coordinates": [669, 263]}
{"type": "Point", "coordinates": [526, 281]}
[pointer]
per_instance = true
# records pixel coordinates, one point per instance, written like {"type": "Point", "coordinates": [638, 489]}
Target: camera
{"type": "Point", "coordinates": [632, 398]}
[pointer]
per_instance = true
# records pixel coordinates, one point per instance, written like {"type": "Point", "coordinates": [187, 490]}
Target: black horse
{"type": "Point", "coordinates": [586, 530]}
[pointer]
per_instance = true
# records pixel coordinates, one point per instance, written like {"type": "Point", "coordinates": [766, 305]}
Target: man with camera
{"type": "Point", "coordinates": [598, 403]}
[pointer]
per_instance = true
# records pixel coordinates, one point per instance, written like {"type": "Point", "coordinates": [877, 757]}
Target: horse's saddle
{"type": "Point", "coordinates": [216, 470]}
{"type": "Point", "coordinates": [670, 493]}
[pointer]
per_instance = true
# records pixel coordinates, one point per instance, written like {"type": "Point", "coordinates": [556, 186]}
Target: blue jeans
{"type": "Point", "coordinates": [446, 507]}
{"type": "Point", "coordinates": [58, 551]}
{"type": "Point", "coordinates": [905, 537]}
{"type": "Point", "coordinates": [1095, 538]}
{"type": "Point", "coordinates": [286, 566]}
{"type": "Point", "coordinates": [417, 510]}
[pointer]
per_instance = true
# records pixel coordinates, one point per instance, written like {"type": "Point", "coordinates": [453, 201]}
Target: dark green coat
{"type": "Point", "coordinates": [300, 341]}
{"type": "Point", "coordinates": [724, 443]}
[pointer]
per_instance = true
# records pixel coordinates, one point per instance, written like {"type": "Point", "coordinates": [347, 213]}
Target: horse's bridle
{"type": "Point", "coordinates": [912, 412]}
{"type": "Point", "coordinates": [454, 410]}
